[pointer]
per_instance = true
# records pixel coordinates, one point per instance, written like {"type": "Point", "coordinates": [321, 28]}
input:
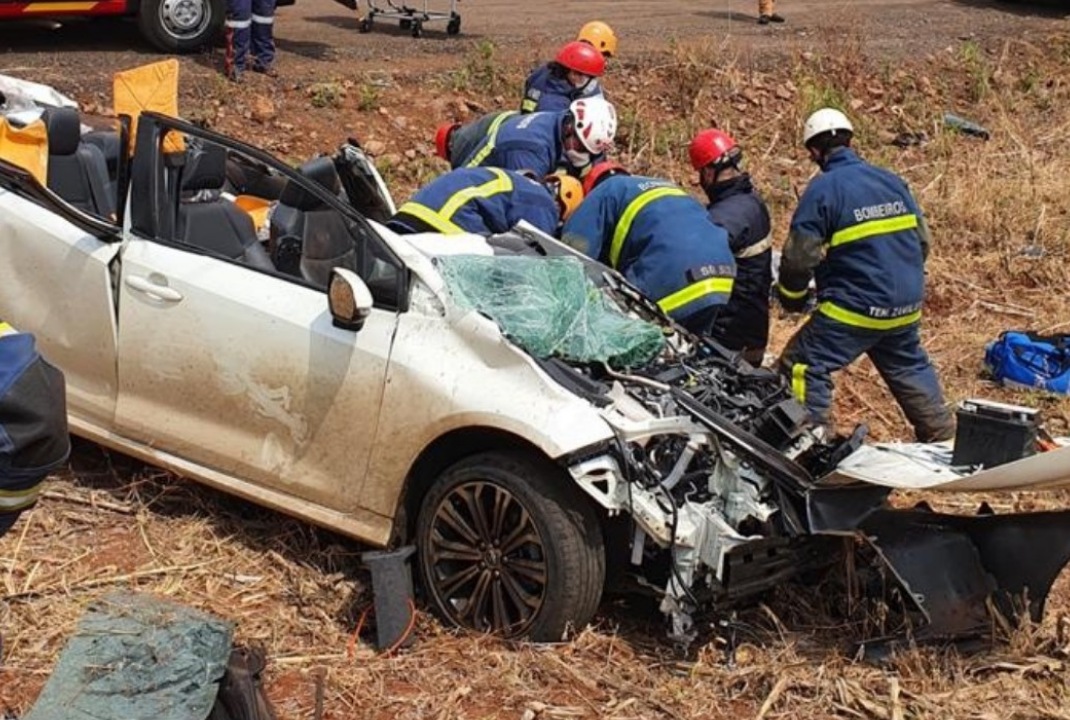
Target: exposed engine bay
{"type": "Point", "coordinates": [732, 491]}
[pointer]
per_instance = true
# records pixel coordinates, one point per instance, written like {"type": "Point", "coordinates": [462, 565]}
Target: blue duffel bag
{"type": "Point", "coordinates": [1028, 360]}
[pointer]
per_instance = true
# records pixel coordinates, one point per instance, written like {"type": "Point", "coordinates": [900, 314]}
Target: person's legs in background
{"type": "Point", "coordinates": [767, 12]}
{"type": "Point", "coordinates": [236, 36]}
{"type": "Point", "coordinates": [263, 17]}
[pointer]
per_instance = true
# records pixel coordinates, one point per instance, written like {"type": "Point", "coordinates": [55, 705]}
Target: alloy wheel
{"type": "Point", "coordinates": [486, 558]}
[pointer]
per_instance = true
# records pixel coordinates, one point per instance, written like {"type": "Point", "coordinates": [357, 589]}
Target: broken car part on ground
{"type": "Point", "coordinates": [330, 372]}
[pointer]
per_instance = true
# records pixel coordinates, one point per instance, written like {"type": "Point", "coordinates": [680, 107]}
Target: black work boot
{"type": "Point", "coordinates": [268, 70]}
{"type": "Point", "coordinates": [764, 19]}
{"type": "Point", "coordinates": [776, 18]}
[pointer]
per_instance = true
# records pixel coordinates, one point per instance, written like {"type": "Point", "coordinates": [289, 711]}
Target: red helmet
{"type": "Point", "coordinates": [714, 147]}
{"type": "Point", "coordinates": [442, 139]}
{"type": "Point", "coordinates": [582, 58]}
{"type": "Point", "coordinates": [600, 171]}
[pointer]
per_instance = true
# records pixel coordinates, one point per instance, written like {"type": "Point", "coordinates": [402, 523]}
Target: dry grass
{"type": "Point", "coordinates": [296, 589]}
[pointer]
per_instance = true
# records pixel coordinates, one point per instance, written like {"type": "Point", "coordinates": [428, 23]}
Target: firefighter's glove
{"type": "Point", "coordinates": [794, 302]}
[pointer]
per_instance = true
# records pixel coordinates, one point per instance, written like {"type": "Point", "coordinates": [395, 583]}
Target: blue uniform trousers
{"type": "Point", "coordinates": [823, 345]}
{"type": "Point", "coordinates": [249, 22]}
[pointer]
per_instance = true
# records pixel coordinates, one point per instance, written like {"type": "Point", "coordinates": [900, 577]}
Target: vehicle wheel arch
{"type": "Point", "coordinates": [449, 449]}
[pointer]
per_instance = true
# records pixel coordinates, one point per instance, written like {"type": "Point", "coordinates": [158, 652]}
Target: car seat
{"type": "Point", "coordinates": [111, 147]}
{"type": "Point", "coordinates": [209, 221]}
{"type": "Point", "coordinates": [77, 171]}
{"type": "Point", "coordinates": [308, 236]}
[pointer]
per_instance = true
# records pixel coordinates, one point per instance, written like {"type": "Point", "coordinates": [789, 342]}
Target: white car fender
{"type": "Point", "coordinates": [430, 376]}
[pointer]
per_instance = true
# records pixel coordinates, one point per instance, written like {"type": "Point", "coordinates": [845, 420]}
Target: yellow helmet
{"type": "Point", "coordinates": [600, 35]}
{"type": "Point", "coordinates": [567, 190]}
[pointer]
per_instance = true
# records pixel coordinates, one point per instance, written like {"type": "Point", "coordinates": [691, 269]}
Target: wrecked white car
{"type": "Point", "coordinates": [401, 390]}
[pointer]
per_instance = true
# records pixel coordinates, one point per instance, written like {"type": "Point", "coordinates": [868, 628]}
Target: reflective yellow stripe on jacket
{"type": "Point", "coordinates": [792, 294]}
{"type": "Point", "coordinates": [849, 317]}
{"type": "Point", "coordinates": [695, 291]}
{"type": "Point", "coordinates": [492, 137]}
{"type": "Point", "coordinates": [442, 219]}
{"type": "Point", "coordinates": [430, 217]}
{"type": "Point", "coordinates": [870, 228]}
{"type": "Point", "coordinates": [620, 234]}
{"type": "Point", "coordinates": [12, 500]}
{"type": "Point", "coordinates": [798, 381]}
{"type": "Point", "coordinates": [502, 183]}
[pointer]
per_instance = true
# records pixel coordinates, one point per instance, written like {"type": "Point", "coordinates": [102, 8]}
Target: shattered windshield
{"type": "Point", "coordinates": [550, 308]}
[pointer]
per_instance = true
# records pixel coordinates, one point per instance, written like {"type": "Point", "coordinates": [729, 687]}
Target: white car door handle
{"type": "Point", "coordinates": [153, 290]}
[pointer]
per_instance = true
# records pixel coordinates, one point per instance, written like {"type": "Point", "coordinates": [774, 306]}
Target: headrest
{"type": "Point", "coordinates": [320, 170]}
{"type": "Point", "coordinates": [64, 130]}
{"type": "Point", "coordinates": [206, 168]}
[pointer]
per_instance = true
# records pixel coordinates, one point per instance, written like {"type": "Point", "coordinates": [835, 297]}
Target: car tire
{"type": "Point", "coordinates": [505, 545]}
{"type": "Point", "coordinates": [180, 26]}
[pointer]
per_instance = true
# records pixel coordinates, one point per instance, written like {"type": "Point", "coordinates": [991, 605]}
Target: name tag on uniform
{"type": "Point", "coordinates": [705, 272]}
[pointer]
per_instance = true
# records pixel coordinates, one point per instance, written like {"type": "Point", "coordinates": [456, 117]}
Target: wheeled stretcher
{"type": "Point", "coordinates": [410, 18]}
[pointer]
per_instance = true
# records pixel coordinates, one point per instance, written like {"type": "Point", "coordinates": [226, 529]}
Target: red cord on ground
{"type": "Point", "coordinates": [351, 646]}
{"type": "Point", "coordinates": [354, 638]}
{"type": "Point", "coordinates": [408, 629]}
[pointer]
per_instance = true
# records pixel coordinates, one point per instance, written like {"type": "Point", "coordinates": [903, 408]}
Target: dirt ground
{"type": "Point", "coordinates": [111, 522]}
{"type": "Point", "coordinates": [322, 36]}
{"type": "Point", "coordinates": [318, 41]}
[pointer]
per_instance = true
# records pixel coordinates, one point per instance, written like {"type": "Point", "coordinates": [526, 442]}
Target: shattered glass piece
{"type": "Point", "coordinates": [550, 308]}
{"type": "Point", "coordinates": [138, 657]}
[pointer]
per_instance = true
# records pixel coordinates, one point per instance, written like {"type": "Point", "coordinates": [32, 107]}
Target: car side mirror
{"type": "Point", "coordinates": [349, 299]}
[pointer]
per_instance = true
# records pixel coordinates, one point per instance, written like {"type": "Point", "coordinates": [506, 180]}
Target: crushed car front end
{"type": "Point", "coordinates": [728, 490]}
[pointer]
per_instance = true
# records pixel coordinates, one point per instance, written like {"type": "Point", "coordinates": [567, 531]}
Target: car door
{"type": "Point", "coordinates": [235, 368]}
{"type": "Point", "coordinates": [56, 265]}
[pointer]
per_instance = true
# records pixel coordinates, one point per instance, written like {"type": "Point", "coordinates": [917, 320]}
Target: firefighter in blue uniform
{"type": "Point", "coordinates": [571, 75]}
{"type": "Point", "coordinates": [455, 142]}
{"type": "Point", "coordinates": [487, 201]}
{"type": "Point", "coordinates": [539, 142]}
{"type": "Point", "coordinates": [33, 423]}
{"type": "Point", "coordinates": [859, 231]}
{"type": "Point", "coordinates": [249, 22]}
{"type": "Point", "coordinates": [734, 205]}
{"type": "Point", "coordinates": [659, 238]}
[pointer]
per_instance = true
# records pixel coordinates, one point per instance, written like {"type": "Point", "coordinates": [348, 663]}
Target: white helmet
{"type": "Point", "coordinates": [826, 120]}
{"type": "Point", "coordinates": [595, 120]}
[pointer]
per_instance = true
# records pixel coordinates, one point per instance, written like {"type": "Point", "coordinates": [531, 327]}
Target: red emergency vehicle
{"type": "Point", "coordinates": [170, 25]}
